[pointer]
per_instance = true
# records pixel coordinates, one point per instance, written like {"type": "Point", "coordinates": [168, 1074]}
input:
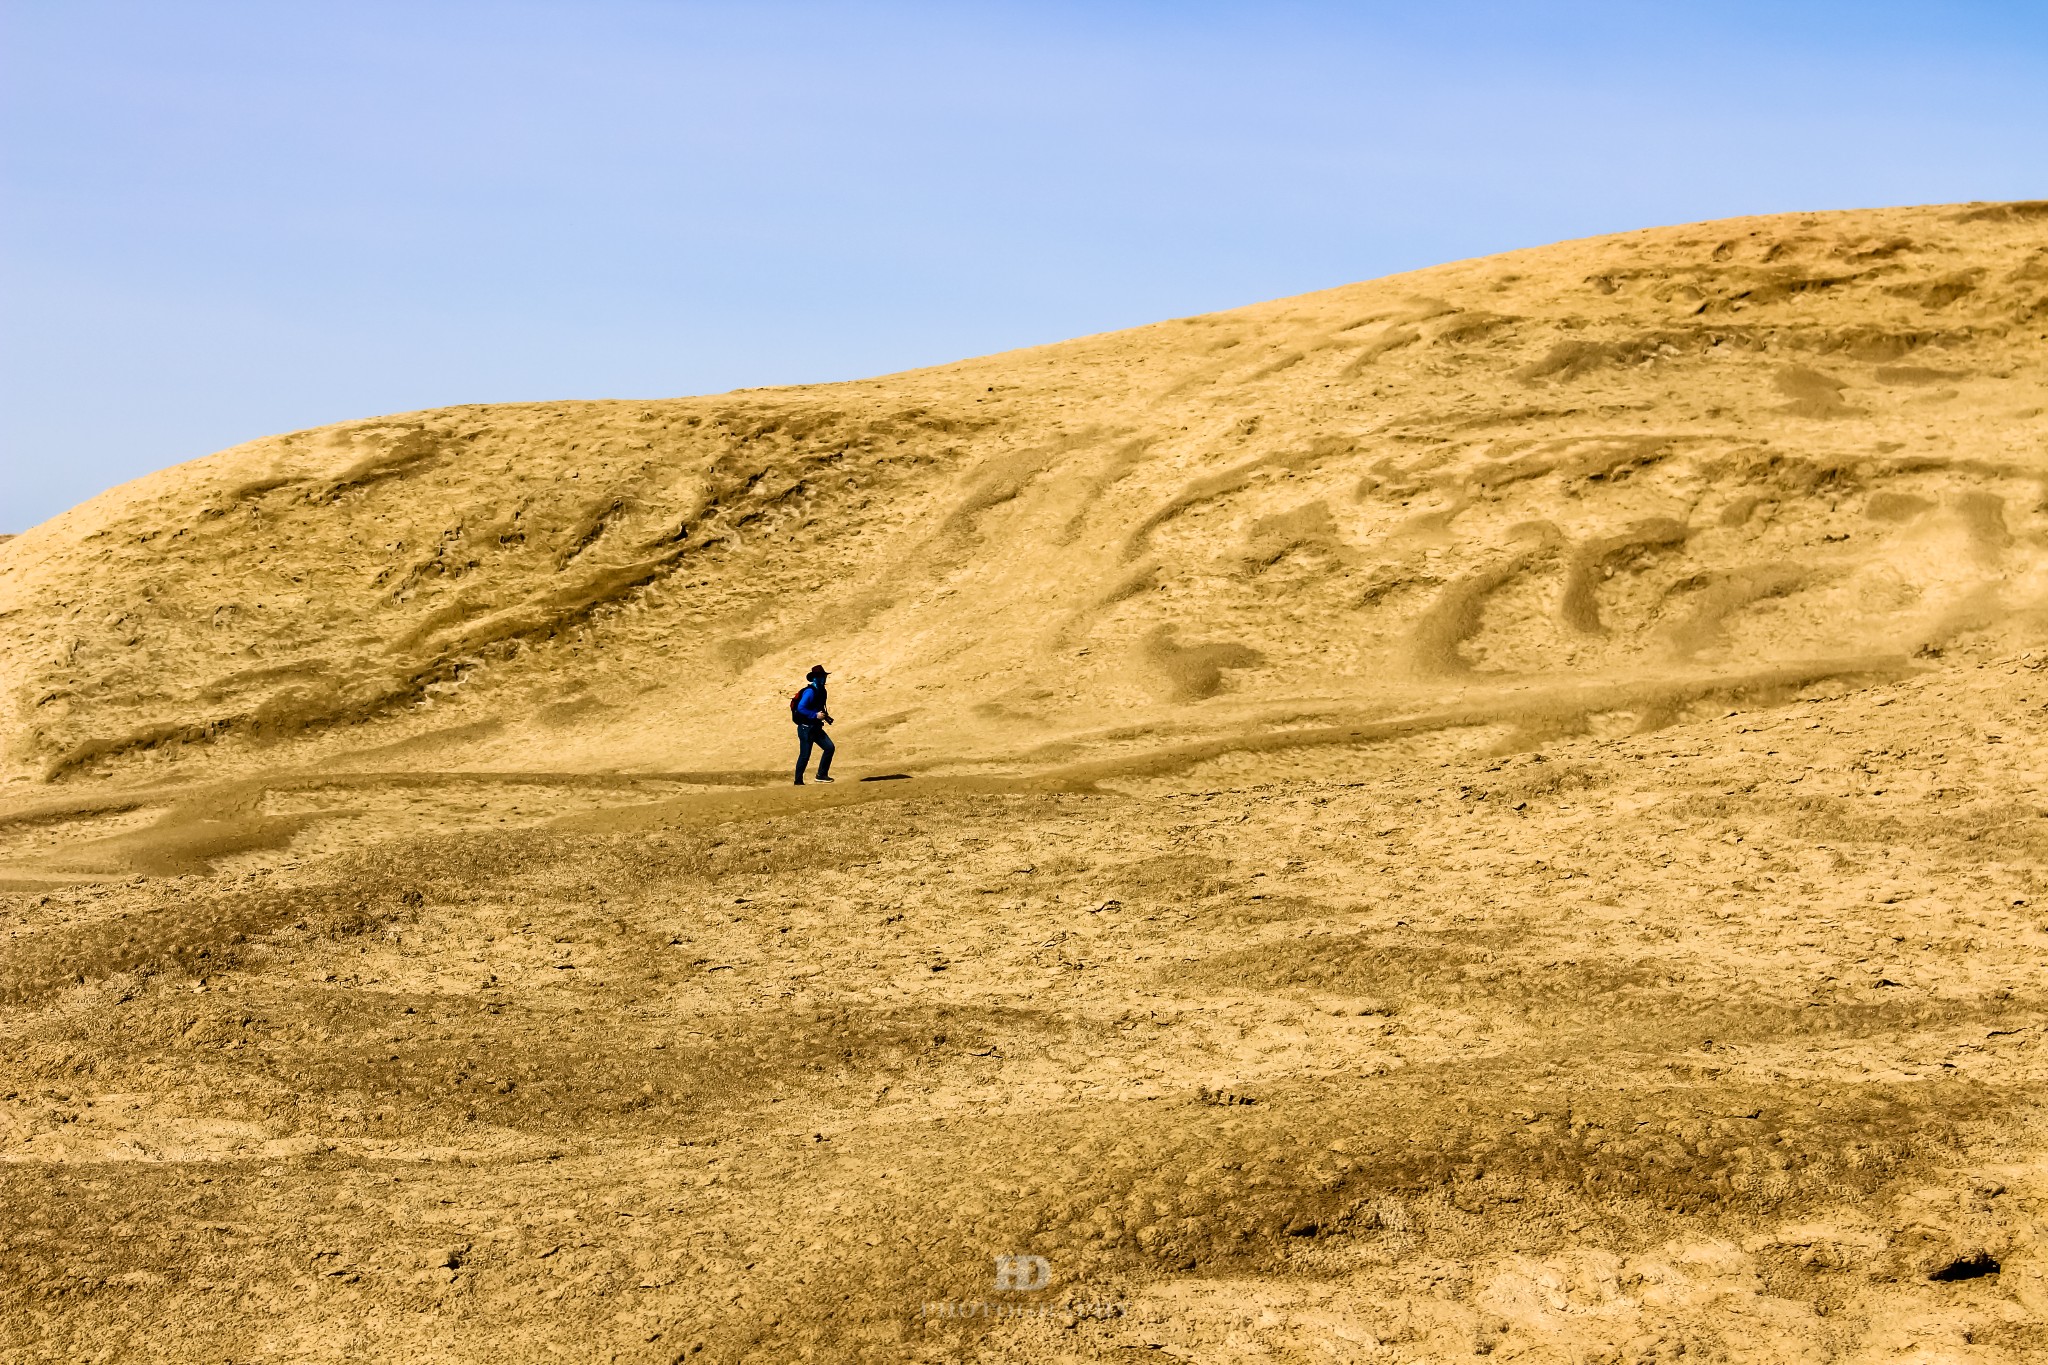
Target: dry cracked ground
{"type": "Point", "coordinates": [1498, 813]}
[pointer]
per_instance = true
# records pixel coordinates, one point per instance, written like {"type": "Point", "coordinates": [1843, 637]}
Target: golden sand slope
{"type": "Point", "coordinates": [1499, 812]}
{"type": "Point", "coordinates": [1678, 457]}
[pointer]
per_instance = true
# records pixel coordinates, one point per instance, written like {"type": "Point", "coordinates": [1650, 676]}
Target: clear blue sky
{"type": "Point", "coordinates": [222, 220]}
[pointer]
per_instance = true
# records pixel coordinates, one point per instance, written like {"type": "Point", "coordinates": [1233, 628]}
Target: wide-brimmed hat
{"type": "Point", "coordinates": [817, 671]}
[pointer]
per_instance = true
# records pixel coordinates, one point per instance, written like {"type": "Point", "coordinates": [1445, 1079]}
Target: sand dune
{"type": "Point", "coordinates": [1674, 454]}
{"type": "Point", "coordinates": [1496, 810]}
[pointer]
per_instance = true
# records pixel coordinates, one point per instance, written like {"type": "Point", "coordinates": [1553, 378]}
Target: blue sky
{"type": "Point", "coordinates": [222, 220]}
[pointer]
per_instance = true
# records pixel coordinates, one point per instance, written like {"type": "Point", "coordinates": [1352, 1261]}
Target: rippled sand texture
{"type": "Point", "coordinates": [1497, 811]}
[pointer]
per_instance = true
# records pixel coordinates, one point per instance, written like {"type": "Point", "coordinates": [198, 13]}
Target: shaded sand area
{"type": "Point", "coordinates": [1497, 813]}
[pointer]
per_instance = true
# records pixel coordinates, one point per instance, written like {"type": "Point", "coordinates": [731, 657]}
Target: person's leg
{"type": "Point", "coordinates": [825, 747]}
{"type": "Point", "coordinates": [803, 751]}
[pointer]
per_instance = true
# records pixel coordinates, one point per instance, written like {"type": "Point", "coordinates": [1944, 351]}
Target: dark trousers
{"type": "Point", "coordinates": [806, 736]}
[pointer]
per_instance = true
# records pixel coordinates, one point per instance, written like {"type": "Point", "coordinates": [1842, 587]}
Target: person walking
{"type": "Point", "coordinates": [807, 709]}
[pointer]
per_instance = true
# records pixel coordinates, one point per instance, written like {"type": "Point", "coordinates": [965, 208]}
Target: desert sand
{"type": "Point", "coordinates": [1498, 811]}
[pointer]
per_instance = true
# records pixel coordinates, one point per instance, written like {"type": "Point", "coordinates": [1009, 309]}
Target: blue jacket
{"type": "Point", "coordinates": [810, 704]}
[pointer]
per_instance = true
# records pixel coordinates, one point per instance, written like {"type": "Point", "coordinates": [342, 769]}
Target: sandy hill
{"type": "Point", "coordinates": [1497, 811]}
{"type": "Point", "coordinates": [1666, 463]}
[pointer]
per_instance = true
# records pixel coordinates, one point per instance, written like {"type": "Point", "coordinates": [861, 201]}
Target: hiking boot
{"type": "Point", "coordinates": [799, 782]}
{"type": "Point", "coordinates": [822, 779]}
